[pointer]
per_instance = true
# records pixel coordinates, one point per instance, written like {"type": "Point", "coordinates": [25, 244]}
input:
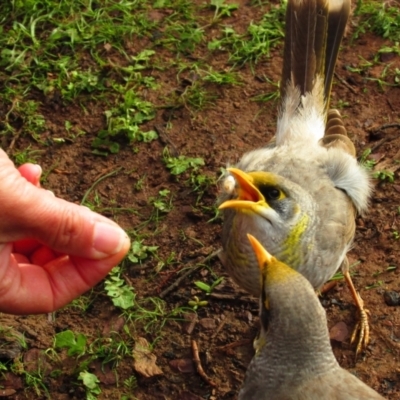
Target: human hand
{"type": "Point", "coordinates": [51, 251]}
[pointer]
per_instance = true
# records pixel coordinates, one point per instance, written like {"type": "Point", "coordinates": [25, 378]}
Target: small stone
{"type": "Point", "coordinates": [391, 298]}
{"type": "Point", "coordinates": [7, 392]}
{"type": "Point", "coordinates": [169, 354]}
{"type": "Point", "coordinates": [184, 365]}
{"type": "Point", "coordinates": [339, 332]}
{"type": "Point", "coordinates": [208, 323]}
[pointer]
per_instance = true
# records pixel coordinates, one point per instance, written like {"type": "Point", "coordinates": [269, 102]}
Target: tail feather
{"type": "Point", "coordinates": [305, 42]}
{"type": "Point", "coordinates": [339, 12]}
{"type": "Point", "coordinates": [314, 30]}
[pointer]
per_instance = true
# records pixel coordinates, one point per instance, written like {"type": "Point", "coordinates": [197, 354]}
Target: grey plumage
{"type": "Point", "coordinates": [295, 360]}
{"type": "Point", "coordinates": [310, 166]}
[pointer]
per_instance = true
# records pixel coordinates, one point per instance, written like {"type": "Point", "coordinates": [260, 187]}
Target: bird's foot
{"type": "Point", "coordinates": [360, 333]}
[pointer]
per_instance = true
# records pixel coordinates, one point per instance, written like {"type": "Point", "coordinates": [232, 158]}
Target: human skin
{"type": "Point", "coordinates": [51, 250]}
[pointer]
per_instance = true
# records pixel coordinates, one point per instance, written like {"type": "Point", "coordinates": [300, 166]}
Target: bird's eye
{"type": "Point", "coordinates": [270, 193]}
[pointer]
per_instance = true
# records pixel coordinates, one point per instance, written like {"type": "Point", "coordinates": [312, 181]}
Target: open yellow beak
{"type": "Point", "coordinates": [248, 194]}
{"type": "Point", "coordinates": [263, 257]}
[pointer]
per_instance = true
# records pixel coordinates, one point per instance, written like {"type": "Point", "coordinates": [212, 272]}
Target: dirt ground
{"type": "Point", "coordinates": [225, 328]}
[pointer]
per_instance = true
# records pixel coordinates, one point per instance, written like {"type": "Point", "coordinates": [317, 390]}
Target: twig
{"type": "Point", "coordinates": [187, 273]}
{"type": "Point", "coordinates": [234, 344]}
{"type": "Point", "coordinates": [220, 326]}
{"type": "Point", "coordinates": [233, 297]}
{"type": "Point", "coordinates": [97, 182]}
{"type": "Point", "coordinates": [382, 141]}
{"type": "Point", "coordinates": [14, 139]}
{"type": "Point", "coordinates": [165, 139]}
{"type": "Point", "coordinates": [343, 82]}
{"type": "Point", "coordinates": [386, 126]}
{"type": "Point", "coordinates": [199, 367]}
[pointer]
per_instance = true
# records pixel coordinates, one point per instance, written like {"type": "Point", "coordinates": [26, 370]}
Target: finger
{"type": "Point", "coordinates": [20, 258]}
{"type": "Point", "coordinates": [31, 289]}
{"type": "Point", "coordinates": [28, 211]}
{"type": "Point", "coordinates": [31, 172]}
{"type": "Point", "coordinates": [42, 256]}
{"type": "Point", "coordinates": [25, 246]}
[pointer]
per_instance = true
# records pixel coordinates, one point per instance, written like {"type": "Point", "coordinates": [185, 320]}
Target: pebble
{"type": "Point", "coordinates": [391, 297]}
{"type": "Point", "coordinates": [208, 323]}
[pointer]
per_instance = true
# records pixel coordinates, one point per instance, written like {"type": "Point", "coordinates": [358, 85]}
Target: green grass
{"type": "Point", "coordinates": [382, 18]}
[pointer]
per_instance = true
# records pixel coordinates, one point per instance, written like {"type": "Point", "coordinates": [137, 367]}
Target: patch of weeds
{"type": "Point", "coordinates": [270, 96]}
{"type": "Point", "coordinates": [258, 40]}
{"type": "Point", "coordinates": [195, 96]}
{"type": "Point", "coordinates": [139, 251]}
{"type": "Point", "coordinates": [75, 344]}
{"type": "Point", "coordinates": [341, 104]}
{"type": "Point", "coordinates": [222, 78]}
{"type": "Point", "coordinates": [386, 176]}
{"type": "Point", "coordinates": [382, 81]}
{"type": "Point", "coordinates": [138, 186]}
{"type": "Point", "coordinates": [150, 313]}
{"type": "Point", "coordinates": [121, 294]}
{"type": "Point", "coordinates": [125, 120]}
{"type": "Point", "coordinates": [91, 383]}
{"type": "Point", "coordinates": [182, 9]}
{"type": "Point", "coordinates": [33, 379]}
{"type": "Point", "coordinates": [27, 155]}
{"type": "Point", "coordinates": [390, 268]}
{"type": "Point", "coordinates": [196, 303]}
{"type": "Point", "coordinates": [208, 288]}
{"type": "Point", "coordinates": [97, 200]}
{"type": "Point", "coordinates": [374, 285]}
{"type": "Point", "coordinates": [365, 162]}
{"type": "Point", "coordinates": [179, 165]}
{"type": "Point", "coordinates": [222, 9]}
{"type": "Point", "coordinates": [78, 82]}
{"type": "Point", "coordinates": [24, 115]}
{"type": "Point", "coordinates": [362, 68]}
{"type": "Point", "coordinates": [82, 303]}
{"type": "Point", "coordinates": [112, 349]}
{"type": "Point", "coordinates": [170, 260]}
{"type": "Point", "coordinates": [184, 37]}
{"type": "Point", "coordinates": [162, 203]}
{"type": "Point", "coordinates": [380, 17]}
{"type": "Point", "coordinates": [43, 44]}
{"type": "Point", "coordinates": [130, 383]}
{"type": "Point", "coordinates": [200, 183]}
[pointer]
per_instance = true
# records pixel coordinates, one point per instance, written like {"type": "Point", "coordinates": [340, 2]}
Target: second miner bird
{"type": "Point", "coordinates": [295, 361]}
{"type": "Point", "coordinates": [300, 194]}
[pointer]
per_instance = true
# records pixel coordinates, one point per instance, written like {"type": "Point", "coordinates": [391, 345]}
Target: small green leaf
{"type": "Point", "coordinates": [75, 345]}
{"type": "Point", "coordinates": [203, 286]}
{"type": "Point", "coordinates": [88, 379]}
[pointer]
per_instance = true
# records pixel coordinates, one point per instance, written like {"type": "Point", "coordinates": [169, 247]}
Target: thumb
{"type": "Point", "coordinates": [31, 212]}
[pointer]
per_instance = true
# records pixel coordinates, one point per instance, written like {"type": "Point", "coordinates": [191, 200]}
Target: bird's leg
{"type": "Point", "coordinates": [361, 330]}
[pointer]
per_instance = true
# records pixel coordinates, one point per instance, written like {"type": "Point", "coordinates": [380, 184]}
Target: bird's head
{"type": "Point", "coordinates": [261, 193]}
{"type": "Point", "coordinates": [273, 274]}
{"type": "Point", "coordinates": [289, 306]}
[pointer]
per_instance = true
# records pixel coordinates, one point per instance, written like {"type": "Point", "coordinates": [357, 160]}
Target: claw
{"type": "Point", "coordinates": [361, 330]}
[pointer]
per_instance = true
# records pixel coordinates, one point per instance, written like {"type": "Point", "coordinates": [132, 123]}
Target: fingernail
{"type": "Point", "coordinates": [108, 239]}
{"type": "Point", "coordinates": [38, 169]}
